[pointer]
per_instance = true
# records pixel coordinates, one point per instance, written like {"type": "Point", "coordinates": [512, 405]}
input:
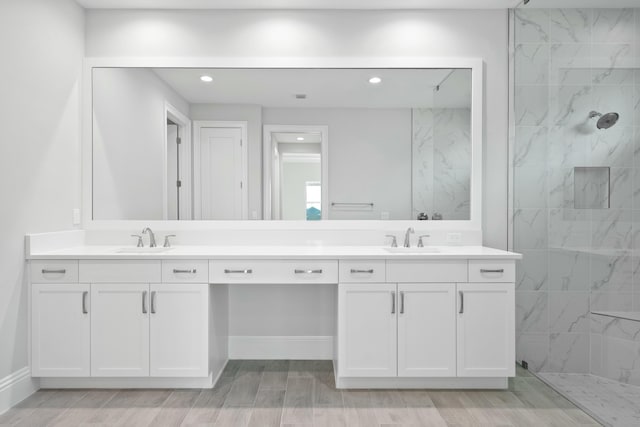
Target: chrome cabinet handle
{"type": "Point", "coordinates": [153, 302]}
{"type": "Point", "coordinates": [461, 302]}
{"type": "Point", "coordinates": [401, 302]}
{"type": "Point", "coordinates": [319, 271]}
{"type": "Point", "coordinates": [393, 303]}
{"type": "Point", "coordinates": [85, 310]}
{"type": "Point", "coordinates": [246, 271]}
{"type": "Point", "coordinates": [144, 302]}
{"type": "Point", "coordinates": [500, 270]}
{"type": "Point", "coordinates": [354, 271]}
{"type": "Point", "coordinates": [61, 271]}
{"type": "Point", "coordinates": [192, 271]}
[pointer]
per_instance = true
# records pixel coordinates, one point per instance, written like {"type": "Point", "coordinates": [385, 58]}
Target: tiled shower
{"type": "Point", "coordinates": [576, 190]}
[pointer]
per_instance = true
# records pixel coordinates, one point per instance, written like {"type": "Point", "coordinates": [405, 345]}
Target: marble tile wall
{"type": "Point", "coordinates": [442, 162]}
{"type": "Point", "coordinates": [569, 62]}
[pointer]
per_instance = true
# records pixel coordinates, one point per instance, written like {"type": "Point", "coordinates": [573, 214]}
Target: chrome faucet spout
{"type": "Point", "coordinates": [407, 237]}
{"type": "Point", "coordinates": [152, 237]}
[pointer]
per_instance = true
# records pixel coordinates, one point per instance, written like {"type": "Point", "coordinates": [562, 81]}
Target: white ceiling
{"type": "Point", "coordinates": [325, 88]}
{"type": "Point", "coordinates": [350, 4]}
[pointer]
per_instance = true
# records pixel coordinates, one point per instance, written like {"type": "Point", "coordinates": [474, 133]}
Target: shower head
{"type": "Point", "coordinates": [606, 120]}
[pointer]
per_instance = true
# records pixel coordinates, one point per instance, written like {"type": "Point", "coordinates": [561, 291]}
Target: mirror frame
{"type": "Point", "coordinates": [477, 140]}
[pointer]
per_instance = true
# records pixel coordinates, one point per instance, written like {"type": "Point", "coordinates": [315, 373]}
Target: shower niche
{"type": "Point", "coordinates": [591, 186]}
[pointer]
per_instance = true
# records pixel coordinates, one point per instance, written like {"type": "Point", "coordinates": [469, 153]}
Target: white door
{"type": "Point", "coordinates": [427, 330]}
{"type": "Point", "coordinates": [220, 187]}
{"type": "Point", "coordinates": [367, 330]}
{"type": "Point", "coordinates": [486, 329]}
{"type": "Point", "coordinates": [61, 328]}
{"type": "Point", "coordinates": [179, 330]}
{"type": "Point", "coordinates": [120, 330]}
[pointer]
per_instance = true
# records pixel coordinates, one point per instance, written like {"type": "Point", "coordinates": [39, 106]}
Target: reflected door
{"type": "Point", "coordinates": [219, 187]}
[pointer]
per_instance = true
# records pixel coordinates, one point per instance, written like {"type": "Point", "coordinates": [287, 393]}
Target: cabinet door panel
{"type": "Point", "coordinates": [427, 330]}
{"type": "Point", "coordinates": [179, 330]}
{"type": "Point", "coordinates": [60, 336]}
{"type": "Point", "coordinates": [486, 330]}
{"type": "Point", "coordinates": [120, 330]}
{"type": "Point", "coordinates": [367, 330]}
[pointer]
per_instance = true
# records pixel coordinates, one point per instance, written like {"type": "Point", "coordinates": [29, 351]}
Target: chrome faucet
{"type": "Point", "coordinates": [152, 237]}
{"type": "Point", "coordinates": [407, 237]}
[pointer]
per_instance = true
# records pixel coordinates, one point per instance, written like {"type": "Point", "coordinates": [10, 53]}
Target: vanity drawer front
{"type": "Point", "coordinates": [54, 271]}
{"type": "Point", "coordinates": [441, 271]}
{"type": "Point", "coordinates": [273, 271]}
{"type": "Point", "coordinates": [492, 271]}
{"type": "Point", "coordinates": [114, 271]}
{"type": "Point", "coordinates": [185, 271]}
{"type": "Point", "coordinates": [362, 271]}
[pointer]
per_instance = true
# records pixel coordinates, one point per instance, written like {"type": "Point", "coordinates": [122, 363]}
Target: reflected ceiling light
{"type": "Point", "coordinates": [375, 80]}
{"type": "Point", "coordinates": [206, 79]}
{"type": "Point", "coordinates": [300, 138]}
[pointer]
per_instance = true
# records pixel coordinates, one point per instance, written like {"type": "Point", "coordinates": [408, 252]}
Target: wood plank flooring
{"type": "Point", "coordinates": [296, 394]}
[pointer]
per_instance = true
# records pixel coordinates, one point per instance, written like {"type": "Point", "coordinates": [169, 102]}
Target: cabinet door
{"type": "Point", "coordinates": [120, 330]}
{"type": "Point", "coordinates": [179, 330]}
{"type": "Point", "coordinates": [367, 330]}
{"type": "Point", "coordinates": [486, 330]}
{"type": "Point", "coordinates": [427, 330]}
{"type": "Point", "coordinates": [60, 330]}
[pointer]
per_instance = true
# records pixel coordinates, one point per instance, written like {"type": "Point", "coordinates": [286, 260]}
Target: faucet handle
{"type": "Point", "coordinates": [140, 242]}
{"type": "Point", "coordinates": [420, 243]}
{"type": "Point", "coordinates": [394, 241]}
{"type": "Point", "coordinates": [167, 243]}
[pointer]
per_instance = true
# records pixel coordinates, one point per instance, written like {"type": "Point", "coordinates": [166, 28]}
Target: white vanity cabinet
{"type": "Point", "coordinates": [60, 330]}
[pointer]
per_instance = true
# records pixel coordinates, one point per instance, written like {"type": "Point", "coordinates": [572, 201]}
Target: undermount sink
{"type": "Point", "coordinates": [147, 250]}
{"type": "Point", "coordinates": [414, 250]}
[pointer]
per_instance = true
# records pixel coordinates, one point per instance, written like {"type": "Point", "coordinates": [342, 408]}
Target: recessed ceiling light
{"type": "Point", "coordinates": [206, 79]}
{"type": "Point", "coordinates": [375, 80]}
{"type": "Point", "coordinates": [300, 138]}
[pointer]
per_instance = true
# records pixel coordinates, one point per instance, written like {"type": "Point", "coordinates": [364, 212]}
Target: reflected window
{"type": "Point", "coordinates": [314, 200]}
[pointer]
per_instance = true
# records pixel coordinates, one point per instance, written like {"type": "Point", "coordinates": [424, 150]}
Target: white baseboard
{"type": "Point", "coordinates": [281, 347]}
{"type": "Point", "coordinates": [16, 387]}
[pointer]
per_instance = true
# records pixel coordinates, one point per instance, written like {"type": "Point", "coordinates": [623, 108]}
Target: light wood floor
{"type": "Point", "coordinates": [298, 393]}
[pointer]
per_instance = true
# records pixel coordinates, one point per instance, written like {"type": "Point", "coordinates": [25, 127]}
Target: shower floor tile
{"type": "Point", "coordinates": [610, 402]}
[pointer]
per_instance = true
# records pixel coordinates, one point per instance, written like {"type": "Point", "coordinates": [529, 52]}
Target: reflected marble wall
{"type": "Point", "coordinates": [441, 162]}
{"type": "Point", "coordinates": [567, 63]}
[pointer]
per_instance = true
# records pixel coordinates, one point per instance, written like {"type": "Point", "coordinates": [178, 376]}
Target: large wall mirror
{"type": "Point", "coordinates": [306, 144]}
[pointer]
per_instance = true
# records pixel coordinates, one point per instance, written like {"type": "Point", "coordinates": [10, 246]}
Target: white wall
{"type": "Point", "coordinates": [129, 142]}
{"type": "Point", "coordinates": [252, 114]}
{"type": "Point", "coordinates": [369, 156]}
{"type": "Point", "coordinates": [41, 50]}
{"type": "Point", "coordinates": [435, 33]}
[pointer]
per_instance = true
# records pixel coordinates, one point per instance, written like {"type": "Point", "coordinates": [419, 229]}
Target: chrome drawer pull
{"type": "Point", "coordinates": [177, 271]}
{"type": "Point", "coordinates": [308, 271]}
{"type": "Point", "coordinates": [500, 270]}
{"type": "Point", "coordinates": [461, 302]}
{"type": "Point", "coordinates": [393, 303]}
{"type": "Point", "coordinates": [354, 271]}
{"type": "Point", "coordinates": [247, 271]}
{"type": "Point", "coordinates": [61, 271]}
{"type": "Point", "coordinates": [144, 302]}
{"type": "Point", "coordinates": [401, 302]}
{"type": "Point", "coordinates": [84, 302]}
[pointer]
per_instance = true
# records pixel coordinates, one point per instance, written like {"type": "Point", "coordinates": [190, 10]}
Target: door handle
{"type": "Point", "coordinates": [61, 271]}
{"type": "Point", "coordinates": [144, 302]}
{"type": "Point", "coordinates": [85, 310]}
{"type": "Point", "coordinates": [308, 271]}
{"type": "Point", "coordinates": [153, 302]}
{"type": "Point", "coordinates": [246, 271]}
{"type": "Point", "coordinates": [461, 302]}
{"type": "Point", "coordinates": [192, 271]}
{"type": "Point", "coordinates": [393, 303]}
{"type": "Point", "coordinates": [500, 270]}
{"type": "Point", "coordinates": [354, 271]}
{"type": "Point", "coordinates": [401, 302]}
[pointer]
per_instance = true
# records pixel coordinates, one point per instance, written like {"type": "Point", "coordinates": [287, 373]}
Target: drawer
{"type": "Point", "coordinates": [362, 271]}
{"type": "Point", "coordinates": [492, 271]}
{"type": "Point", "coordinates": [442, 271]}
{"type": "Point", "coordinates": [185, 271]}
{"type": "Point", "coordinates": [273, 271]}
{"type": "Point", "coordinates": [114, 271]}
{"type": "Point", "coordinates": [54, 271]}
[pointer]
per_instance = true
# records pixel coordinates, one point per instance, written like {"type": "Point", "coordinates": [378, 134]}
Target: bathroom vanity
{"type": "Point", "coordinates": [107, 316]}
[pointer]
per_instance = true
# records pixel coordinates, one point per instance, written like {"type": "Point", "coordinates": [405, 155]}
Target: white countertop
{"type": "Point", "coordinates": [275, 252]}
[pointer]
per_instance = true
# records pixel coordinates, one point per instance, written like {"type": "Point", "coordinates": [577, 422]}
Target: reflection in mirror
{"type": "Point", "coordinates": [168, 144]}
